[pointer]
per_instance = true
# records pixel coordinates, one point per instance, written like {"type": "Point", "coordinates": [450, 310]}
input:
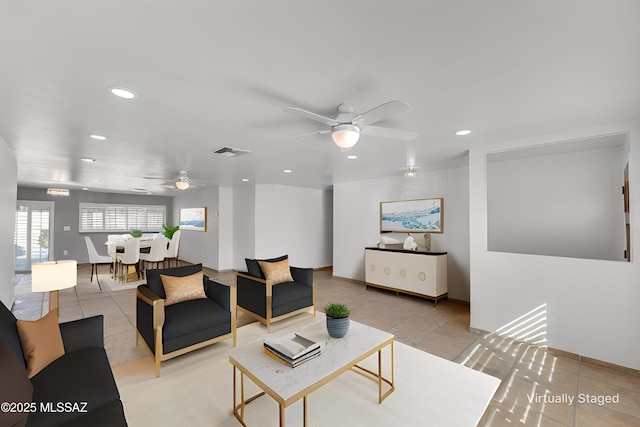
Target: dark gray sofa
{"type": "Point", "coordinates": [78, 389]}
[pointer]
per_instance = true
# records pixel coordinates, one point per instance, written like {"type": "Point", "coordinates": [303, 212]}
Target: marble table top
{"type": "Point", "coordinates": [286, 384]}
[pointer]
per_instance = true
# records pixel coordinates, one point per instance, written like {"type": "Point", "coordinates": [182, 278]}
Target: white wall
{"type": "Point", "coordinates": [8, 196]}
{"type": "Point", "coordinates": [244, 225]}
{"type": "Point", "coordinates": [197, 246]}
{"type": "Point", "coordinates": [563, 204]}
{"type": "Point", "coordinates": [590, 306]}
{"type": "Point", "coordinates": [357, 221]}
{"type": "Point", "coordinates": [225, 229]}
{"type": "Point", "coordinates": [294, 221]}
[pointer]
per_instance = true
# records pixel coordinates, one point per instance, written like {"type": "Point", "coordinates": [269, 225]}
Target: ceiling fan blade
{"type": "Point", "coordinates": [312, 116]}
{"type": "Point", "coordinates": [380, 112]}
{"type": "Point", "coordinates": [318, 132]}
{"type": "Point", "coordinates": [405, 135]}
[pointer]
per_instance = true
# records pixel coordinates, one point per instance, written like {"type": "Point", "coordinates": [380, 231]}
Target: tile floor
{"type": "Point", "coordinates": [539, 387]}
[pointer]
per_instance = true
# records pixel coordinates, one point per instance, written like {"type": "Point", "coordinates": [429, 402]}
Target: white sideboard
{"type": "Point", "coordinates": [417, 273]}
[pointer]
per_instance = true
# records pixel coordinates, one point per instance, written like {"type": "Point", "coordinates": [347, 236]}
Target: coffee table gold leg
{"type": "Point", "coordinates": [234, 389]}
{"type": "Point", "coordinates": [282, 415]}
{"type": "Point", "coordinates": [393, 364]}
{"type": "Point", "coordinates": [380, 376]}
{"type": "Point", "coordinates": [304, 411]}
{"type": "Point", "coordinates": [242, 395]}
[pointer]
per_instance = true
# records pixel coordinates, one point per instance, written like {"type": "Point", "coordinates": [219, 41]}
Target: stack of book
{"type": "Point", "coordinates": [291, 349]}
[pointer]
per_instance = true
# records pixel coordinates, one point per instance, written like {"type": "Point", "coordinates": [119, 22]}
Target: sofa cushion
{"type": "Point", "coordinates": [253, 268]}
{"type": "Point", "coordinates": [81, 376]}
{"type": "Point", "coordinates": [276, 272]}
{"type": "Point", "coordinates": [185, 288]}
{"type": "Point", "coordinates": [16, 387]}
{"type": "Point", "coordinates": [289, 293]}
{"type": "Point", "coordinates": [41, 341]}
{"type": "Point", "coordinates": [155, 282]}
{"type": "Point", "coordinates": [9, 333]}
{"type": "Point", "coordinates": [191, 316]}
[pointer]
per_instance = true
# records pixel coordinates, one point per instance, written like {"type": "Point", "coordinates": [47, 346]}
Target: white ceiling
{"type": "Point", "coordinates": [218, 73]}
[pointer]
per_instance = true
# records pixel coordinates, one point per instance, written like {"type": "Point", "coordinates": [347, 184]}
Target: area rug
{"type": "Point", "coordinates": [196, 389]}
{"type": "Point", "coordinates": [111, 285]}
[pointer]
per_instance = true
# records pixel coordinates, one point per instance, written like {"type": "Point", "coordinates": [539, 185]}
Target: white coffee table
{"type": "Point", "coordinates": [288, 385]}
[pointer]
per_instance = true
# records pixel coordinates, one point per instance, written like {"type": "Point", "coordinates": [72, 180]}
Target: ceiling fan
{"type": "Point", "coordinates": [347, 126]}
{"type": "Point", "coordinates": [181, 182]}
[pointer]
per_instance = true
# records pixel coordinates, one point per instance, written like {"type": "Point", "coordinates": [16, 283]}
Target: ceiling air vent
{"type": "Point", "coordinates": [229, 152]}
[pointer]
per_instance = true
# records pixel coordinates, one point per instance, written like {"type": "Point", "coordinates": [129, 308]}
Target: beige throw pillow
{"type": "Point", "coordinates": [179, 289]}
{"type": "Point", "coordinates": [41, 341]}
{"type": "Point", "coordinates": [276, 272]}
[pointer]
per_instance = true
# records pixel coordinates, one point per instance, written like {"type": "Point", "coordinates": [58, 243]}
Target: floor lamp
{"type": "Point", "coordinates": [53, 276]}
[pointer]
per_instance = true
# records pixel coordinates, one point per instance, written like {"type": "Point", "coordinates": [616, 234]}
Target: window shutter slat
{"type": "Point", "coordinates": [121, 218]}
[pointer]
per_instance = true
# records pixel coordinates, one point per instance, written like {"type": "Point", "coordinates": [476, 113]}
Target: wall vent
{"type": "Point", "coordinates": [229, 152]}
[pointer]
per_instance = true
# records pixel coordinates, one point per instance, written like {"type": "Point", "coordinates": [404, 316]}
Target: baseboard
{"type": "Point", "coordinates": [575, 356]}
{"type": "Point", "coordinates": [357, 282]}
{"type": "Point", "coordinates": [594, 362]}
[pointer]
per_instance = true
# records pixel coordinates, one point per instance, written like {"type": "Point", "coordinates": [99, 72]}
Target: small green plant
{"type": "Point", "coordinates": [169, 231]}
{"type": "Point", "coordinates": [336, 310]}
{"type": "Point", "coordinates": [136, 233]}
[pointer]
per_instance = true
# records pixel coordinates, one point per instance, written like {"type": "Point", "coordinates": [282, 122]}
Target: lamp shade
{"type": "Point", "coordinates": [345, 136]}
{"type": "Point", "coordinates": [54, 275]}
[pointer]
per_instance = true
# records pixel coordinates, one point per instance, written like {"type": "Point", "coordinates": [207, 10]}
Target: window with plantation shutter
{"type": "Point", "coordinates": [99, 217]}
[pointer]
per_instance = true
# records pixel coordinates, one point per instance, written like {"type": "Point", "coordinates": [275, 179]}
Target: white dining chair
{"type": "Point", "coordinates": [129, 256]}
{"type": "Point", "coordinates": [174, 248]}
{"type": "Point", "coordinates": [157, 253]}
{"type": "Point", "coordinates": [96, 259]}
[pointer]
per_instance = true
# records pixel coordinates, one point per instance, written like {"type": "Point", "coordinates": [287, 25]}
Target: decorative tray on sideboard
{"type": "Point", "coordinates": [374, 248]}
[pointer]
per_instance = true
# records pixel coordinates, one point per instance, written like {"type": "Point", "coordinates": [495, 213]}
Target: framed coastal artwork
{"type": "Point", "coordinates": [412, 216]}
{"type": "Point", "coordinates": [193, 219]}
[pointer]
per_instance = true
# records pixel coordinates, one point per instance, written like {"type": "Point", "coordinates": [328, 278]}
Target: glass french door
{"type": "Point", "coordinates": [33, 240]}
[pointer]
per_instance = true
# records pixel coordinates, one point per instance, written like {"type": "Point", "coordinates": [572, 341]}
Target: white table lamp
{"type": "Point", "coordinates": [53, 276]}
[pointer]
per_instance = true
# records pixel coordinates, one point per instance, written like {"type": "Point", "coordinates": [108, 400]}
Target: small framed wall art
{"type": "Point", "coordinates": [193, 219]}
{"type": "Point", "coordinates": [412, 216]}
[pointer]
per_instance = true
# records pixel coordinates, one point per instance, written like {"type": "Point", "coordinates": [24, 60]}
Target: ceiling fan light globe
{"type": "Point", "coordinates": [182, 185]}
{"type": "Point", "coordinates": [345, 136]}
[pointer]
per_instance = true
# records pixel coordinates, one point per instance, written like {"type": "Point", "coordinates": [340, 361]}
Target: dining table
{"type": "Point", "coordinates": [115, 245]}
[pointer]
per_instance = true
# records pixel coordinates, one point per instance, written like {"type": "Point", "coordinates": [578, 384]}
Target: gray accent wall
{"type": "Point", "coordinates": [67, 213]}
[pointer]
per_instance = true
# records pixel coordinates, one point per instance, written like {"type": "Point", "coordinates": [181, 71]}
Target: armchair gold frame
{"type": "Point", "coordinates": [152, 299]}
{"type": "Point", "coordinates": [269, 307]}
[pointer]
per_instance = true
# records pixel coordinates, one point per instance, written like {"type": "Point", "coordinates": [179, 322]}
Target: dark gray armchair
{"type": "Point", "coordinates": [269, 303]}
{"type": "Point", "coordinates": [176, 329]}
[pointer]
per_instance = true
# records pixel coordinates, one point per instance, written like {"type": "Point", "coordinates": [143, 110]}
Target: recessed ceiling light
{"type": "Point", "coordinates": [462, 132]}
{"type": "Point", "coordinates": [245, 179]}
{"type": "Point", "coordinates": [85, 189]}
{"type": "Point", "coordinates": [287, 171]}
{"type": "Point", "coordinates": [98, 137]}
{"type": "Point", "coordinates": [122, 92]}
{"type": "Point", "coordinates": [352, 157]}
{"type": "Point", "coordinates": [88, 160]}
